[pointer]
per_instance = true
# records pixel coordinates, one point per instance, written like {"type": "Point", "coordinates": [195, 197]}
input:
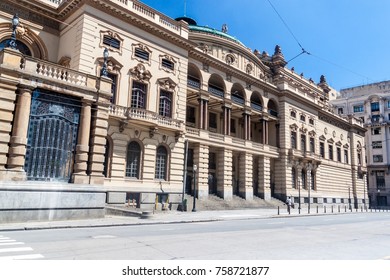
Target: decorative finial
{"type": "Point", "coordinates": [224, 28]}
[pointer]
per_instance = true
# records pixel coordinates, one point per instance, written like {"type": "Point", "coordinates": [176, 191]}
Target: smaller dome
{"type": "Point", "coordinates": [188, 20]}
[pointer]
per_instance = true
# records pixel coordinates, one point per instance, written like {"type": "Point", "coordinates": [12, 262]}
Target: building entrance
{"type": "Point", "coordinates": [52, 136]}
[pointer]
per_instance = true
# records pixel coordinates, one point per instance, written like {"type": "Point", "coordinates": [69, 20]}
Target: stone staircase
{"type": "Point", "coordinates": [214, 202]}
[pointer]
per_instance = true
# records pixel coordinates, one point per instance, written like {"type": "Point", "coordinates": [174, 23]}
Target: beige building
{"type": "Point", "coordinates": [100, 98]}
{"type": "Point", "coordinates": [371, 104]}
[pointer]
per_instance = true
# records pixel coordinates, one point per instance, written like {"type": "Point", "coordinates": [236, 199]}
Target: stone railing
{"type": "Point", "coordinates": [145, 115]}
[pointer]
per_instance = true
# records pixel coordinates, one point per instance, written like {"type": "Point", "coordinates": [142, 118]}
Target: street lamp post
{"type": "Point", "coordinates": [299, 197]}
{"type": "Point", "coordinates": [104, 71]}
{"type": "Point", "coordinates": [310, 166]}
{"type": "Point", "coordinates": [194, 205]}
{"type": "Point", "coordinates": [15, 23]}
{"type": "Point", "coordinates": [349, 198]}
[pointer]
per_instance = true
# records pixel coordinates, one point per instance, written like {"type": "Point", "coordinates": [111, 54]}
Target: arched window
{"type": "Point", "coordinates": [133, 160]}
{"type": "Point", "coordinates": [293, 178]}
{"type": "Point", "coordinates": [22, 47]}
{"type": "Point", "coordinates": [161, 163]}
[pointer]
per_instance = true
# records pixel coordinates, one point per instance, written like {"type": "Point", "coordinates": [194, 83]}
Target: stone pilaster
{"type": "Point", "coordinates": [82, 148]}
{"type": "Point", "coordinates": [264, 178]}
{"type": "Point", "coordinates": [246, 176]}
{"type": "Point", "coordinates": [18, 143]}
{"type": "Point", "coordinates": [201, 159]}
{"type": "Point", "coordinates": [7, 107]}
{"type": "Point", "coordinates": [224, 179]}
{"type": "Point", "coordinates": [97, 144]}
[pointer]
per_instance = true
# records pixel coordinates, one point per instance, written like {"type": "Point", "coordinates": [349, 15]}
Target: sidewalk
{"type": "Point", "coordinates": [166, 218]}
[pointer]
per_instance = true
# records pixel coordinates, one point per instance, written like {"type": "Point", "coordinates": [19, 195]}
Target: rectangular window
{"type": "Point", "coordinates": [380, 179]}
{"type": "Point", "coordinates": [232, 126]}
{"type": "Point", "coordinates": [388, 104]}
{"type": "Point", "coordinates": [190, 157]}
{"type": "Point", "coordinates": [322, 149]}
{"type": "Point", "coordinates": [190, 114]}
{"type": "Point", "coordinates": [212, 161]}
{"type": "Point", "coordinates": [312, 145]}
{"type": "Point", "coordinates": [375, 107]}
{"type": "Point", "coordinates": [114, 79]}
{"type": "Point", "coordinates": [303, 118]}
{"type": "Point", "coordinates": [293, 140]}
{"type": "Point", "coordinates": [376, 131]}
{"type": "Point", "coordinates": [377, 144]}
{"type": "Point", "coordinates": [378, 158]}
{"type": "Point", "coordinates": [330, 150]}
{"type": "Point", "coordinates": [142, 54]}
{"type": "Point", "coordinates": [138, 95]}
{"type": "Point", "coordinates": [338, 154]}
{"type": "Point", "coordinates": [345, 156]}
{"type": "Point", "coordinates": [112, 42]}
{"type": "Point", "coordinates": [311, 121]}
{"type": "Point", "coordinates": [340, 111]}
{"type": "Point", "coordinates": [213, 120]}
{"type": "Point", "coordinates": [375, 118]}
{"type": "Point", "coordinates": [303, 142]}
{"type": "Point", "coordinates": [358, 109]}
{"type": "Point", "coordinates": [167, 64]}
{"type": "Point", "coordinates": [165, 109]}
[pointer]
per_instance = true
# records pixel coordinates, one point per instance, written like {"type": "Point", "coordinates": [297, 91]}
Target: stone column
{"type": "Point", "coordinates": [225, 169]}
{"type": "Point", "coordinates": [201, 159]}
{"type": "Point", "coordinates": [82, 148]}
{"type": "Point", "coordinates": [18, 143]}
{"type": "Point", "coordinates": [246, 176]}
{"type": "Point", "coordinates": [206, 114]}
{"type": "Point", "coordinates": [201, 117]}
{"type": "Point", "coordinates": [264, 178]}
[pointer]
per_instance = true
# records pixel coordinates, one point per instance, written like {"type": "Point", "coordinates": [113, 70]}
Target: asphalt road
{"type": "Point", "coordinates": [360, 236]}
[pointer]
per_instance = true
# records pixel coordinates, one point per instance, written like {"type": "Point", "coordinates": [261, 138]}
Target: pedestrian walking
{"type": "Point", "coordinates": [289, 204]}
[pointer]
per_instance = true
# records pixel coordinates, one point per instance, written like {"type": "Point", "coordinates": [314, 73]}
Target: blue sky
{"type": "Point", "coordinates": [348, 39]}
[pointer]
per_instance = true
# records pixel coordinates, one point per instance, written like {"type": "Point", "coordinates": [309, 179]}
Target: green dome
{"type": "Point", "coordinates": [215, 32]}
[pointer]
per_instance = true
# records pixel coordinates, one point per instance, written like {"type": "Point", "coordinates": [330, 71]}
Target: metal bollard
{"type": "Point", "coordinates": [324, 209]}
{"type": "Point", "coordinates": [345, 208]}
{"type": "Point", "coordinates": [278, 211]}
{"type": "Point", "coordinates": [317, 209]}
{"type": "Point", "coordinates": [339, 208]}
{"type": "Point", "coordinates": [332, 208]}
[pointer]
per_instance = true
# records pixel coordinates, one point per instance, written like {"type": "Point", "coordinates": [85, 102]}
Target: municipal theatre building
{"type": "Point", "coordinates": [107, 102]}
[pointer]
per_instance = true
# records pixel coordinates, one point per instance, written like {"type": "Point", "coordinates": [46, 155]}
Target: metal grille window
{"type": "Point", "coordinates": [378, 158]}
{"type": "Point", "coordinates": [138, 95]}
{"type": "Point", "coordinates": [165, 109]}
{"type": "Point", "coordinates": [142, 54]}
{"type": "Point", "coordinates": [380, 179]}
{"type": "Point", "coordinates": [52, 136]}
{"type": "Point", "coordinates": [161, 163]}
{"type": "Point", "coordinates": [133, 160]}
{"type": "Point", "coordinates": [377, 144]}
{"type": "Point", "coordinates": [112, 42]}
{"type": "Point", "coordinates": [167, 64]}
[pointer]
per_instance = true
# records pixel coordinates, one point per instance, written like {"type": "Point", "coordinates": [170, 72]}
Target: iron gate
{"type": "Point", "coordinates": [52, 136]}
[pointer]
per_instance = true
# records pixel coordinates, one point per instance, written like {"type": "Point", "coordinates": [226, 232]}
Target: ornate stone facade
{"type": "Point", "coordinates": [253, 127]}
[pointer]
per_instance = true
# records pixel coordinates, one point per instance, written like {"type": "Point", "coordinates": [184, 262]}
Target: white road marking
{"type": "Point", "coordinates": [23, 257]}
{"type": "Point", "coordinates": [11, 243]}
{"type": "Point", "coordinates": [103, 236]}
{"type": "Point", "coordinates": [237, 216]}
{"type": "Point", "coordinates": [16, 249]}
{"type": "Point", "coordinates": [276, 223]}
{"type": "Point", "coordinates": [8, 240]}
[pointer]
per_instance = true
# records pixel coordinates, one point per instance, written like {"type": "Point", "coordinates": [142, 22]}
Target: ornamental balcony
{"type": "Point", "coordinates": [145, 117]}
